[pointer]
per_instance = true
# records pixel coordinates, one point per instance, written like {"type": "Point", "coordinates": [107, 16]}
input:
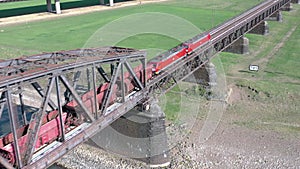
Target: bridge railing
{"type": "Point", "coordinates": [45, 97]}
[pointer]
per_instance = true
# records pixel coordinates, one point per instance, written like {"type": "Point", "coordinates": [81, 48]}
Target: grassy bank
{"type": "Point", "coordinates": [274, 106]}
{"type": "Point", "coordinates": [271, 95]}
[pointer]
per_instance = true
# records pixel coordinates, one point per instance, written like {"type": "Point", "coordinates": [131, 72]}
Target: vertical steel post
{"type": "Point", "coordinates": [88, 78]}
{"type": "Point", "coordinates": [112, 67]}
{"type": "Point", "coordinates": [144, 62]}
{"type": "Point", "coordinates": [122, 83]}
{"type": "Point", "coordinates": [2, 102]}
{"type": "Point", "coordinates": [95, 91]}
{"type": "Point", "coordinates": [61, 122]}
{"type": "Point", "coordinates": [22, 108]}
{"type": "Point", "coordinates": [13, 126]}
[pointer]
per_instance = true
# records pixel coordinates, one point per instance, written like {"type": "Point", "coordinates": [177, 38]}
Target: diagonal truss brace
{"type": "Point", "coordinates": [13, 125]}
{"type": "Point", "coordinates": [77, 98]}
{"type": "Point", "coordinates": [60, 111]}
{"type": "Point", "coordinates": [39, 89]}
{"type": "Point", "coordinates": [136, 80]}
{"type": "Point", "coordinates": [35, 124]}
{"type": "Point", "coordinates": [2, 102]}
{"type": "Point", "coordinates": [76, 77]}
{"type": "Point", "coordinates": [109, 91]}
{"type": "Point", "coordinates": [103, 74]}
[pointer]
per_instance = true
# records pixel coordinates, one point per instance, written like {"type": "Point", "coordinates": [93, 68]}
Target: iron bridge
{"type": "Point", "coordinates": [55, 79]}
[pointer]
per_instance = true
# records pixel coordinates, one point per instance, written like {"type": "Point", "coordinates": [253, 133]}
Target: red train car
{"type": "Point", "coordinates": [166, 59]}
{"type": "Point", "coordinates": [88, 98]}
{"type": "Point", "coordinates": [48, 133]}
{"type": "Point", "coordinates": [198, 42]}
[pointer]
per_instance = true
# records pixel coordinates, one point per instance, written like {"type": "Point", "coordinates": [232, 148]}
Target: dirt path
{"type": "Point", "coordinates": [70, 12]}
{"type": "Point", "coordinates": [265, 60]}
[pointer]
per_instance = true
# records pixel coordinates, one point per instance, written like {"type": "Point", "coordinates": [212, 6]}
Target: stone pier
{"type": "Point", "coordinates": [287, 7]}
{"type": "Point", "coordinates": [137, 135]}
{"type": "Point", "coordinates": [261, 29]}
{"type": "Point", "coordinates": [105, 2]}
{"type": "Point", "coordinates": [296, 1]}
{"type": "Point", "coordinates": [277, 16]}
{"type": "Point", "coordinates": [241, 46]}
{"type": "Point", "coordinates": [57, 6]}
{"type": "Point", "coordinates": [205, 76]}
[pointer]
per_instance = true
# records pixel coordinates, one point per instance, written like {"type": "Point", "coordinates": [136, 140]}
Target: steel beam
{"type": "Point", "coordinates": [95, 92]}
{"type": "Point", "coordinates": [22, 107]}
{"type": "Point", "coordinates": [35, 124]}
{"type": "Point", "coordinates": [2, 102]}
{"type": "Point", "coordinates": [86, 132]}
{"type": "Point", "coordinates": [122, 83]}
{"type": "Point", "coordinates": [103, 74]}
{"type": "Point", "coordinates": [109, 90]}
{"type": "Point", "coordinates": [67, 94]}
{"type": "Point", "coordinates": [144, 63]}
{"type": "Point", "coordinates": [60, 111]}
{"type": "Point", "coordinates": [13, 125]}
{"type": "Point", "coordinates": [40, 91]}
{"type": "Point", "coordinates": [77, 98]}
{"type": "Point", "coordinates": [137, 81]}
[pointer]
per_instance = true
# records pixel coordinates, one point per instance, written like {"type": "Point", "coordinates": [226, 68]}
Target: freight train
{"type": "Point", "coordinates": [49, 130]}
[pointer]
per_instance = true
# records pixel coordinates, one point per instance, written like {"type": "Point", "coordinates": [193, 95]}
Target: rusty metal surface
{"type": "Point", "coordinates": [17, 73]}
{"type": "Point", "coordinates": [70, 75]}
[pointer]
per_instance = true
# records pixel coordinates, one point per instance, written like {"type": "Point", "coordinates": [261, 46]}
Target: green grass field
{"type": "Point", "coordinates": [72, 32]}
{"type": "Point", "coordinates": [36, 6]}
{"type": "Point", "coordinates": [276, 107]}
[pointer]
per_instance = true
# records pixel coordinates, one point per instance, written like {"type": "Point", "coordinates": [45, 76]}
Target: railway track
{"type": "Point", "coordinates": [222, 36]}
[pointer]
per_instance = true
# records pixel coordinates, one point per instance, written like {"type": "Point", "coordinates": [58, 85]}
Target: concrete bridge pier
{"type": "Point", "coordinates": [137, 135]}
{"type": "Point", "coordinates": [287, 7]}
{"type": "Point", "coordinates": [241, 46]}
{"type": "Point", "coordinates": [277, 16]}
{"type": "Point", "coordinates": [111, 2]}
{"type": "Point", "coordinates": [261, 29]}
{"type": "Point", "coordinates": [205, 76]}
{"type": "Point", "coordinates": [57, 6]}
{"type": "Point", "coordinates": [49, 5]}
{"type": "Point", "coordinates": [296, 1]}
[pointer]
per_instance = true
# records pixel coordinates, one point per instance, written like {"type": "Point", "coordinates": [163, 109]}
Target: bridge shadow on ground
{"type": "Point", "coordinates": [28, 9]}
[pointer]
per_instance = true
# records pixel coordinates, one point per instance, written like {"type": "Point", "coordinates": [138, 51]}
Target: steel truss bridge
{"type": "Point", "coordinates": [56, 78]}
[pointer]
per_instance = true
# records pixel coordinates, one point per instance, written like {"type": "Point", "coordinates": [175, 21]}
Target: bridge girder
{"type": "Point", "coordinates": [57, 67]}
{"type": "Point", "coordinates": [61, 80]}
